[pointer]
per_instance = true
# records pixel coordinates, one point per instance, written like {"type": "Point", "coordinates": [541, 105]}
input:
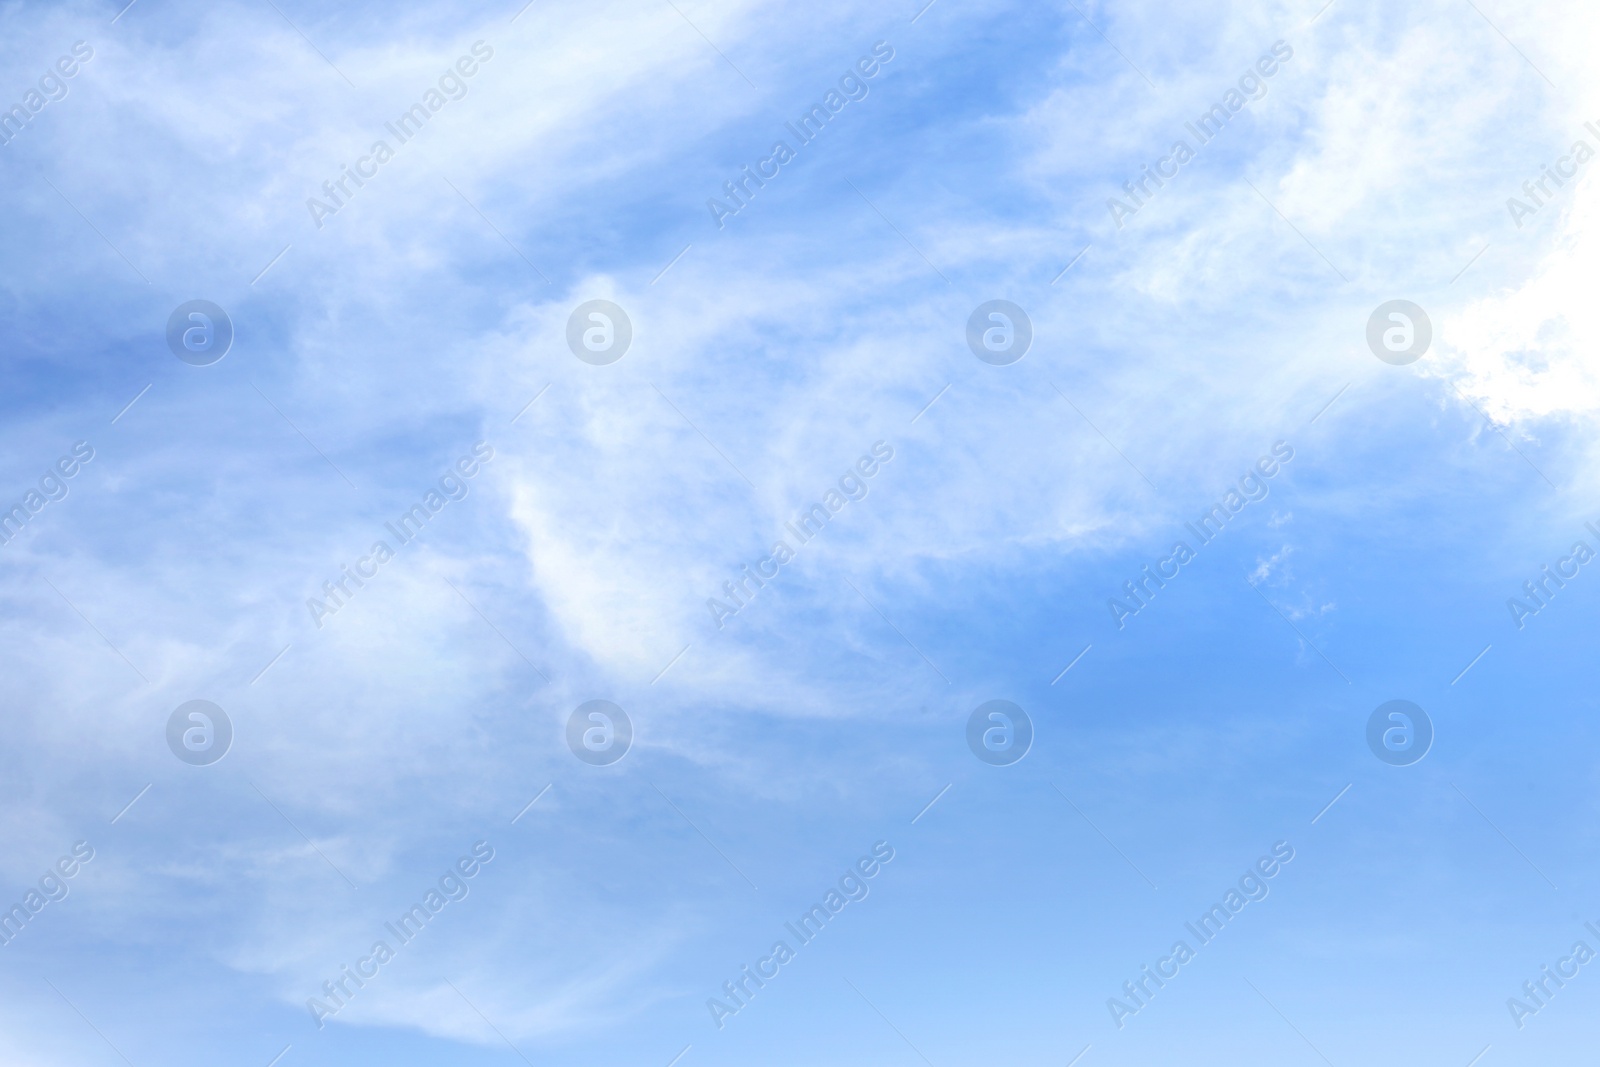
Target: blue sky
{"type": "Point", "coordinates": [826, 319]}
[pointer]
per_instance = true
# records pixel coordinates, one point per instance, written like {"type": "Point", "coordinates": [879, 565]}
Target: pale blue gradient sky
{"type": "Point", "coordinates": [772, 752]}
